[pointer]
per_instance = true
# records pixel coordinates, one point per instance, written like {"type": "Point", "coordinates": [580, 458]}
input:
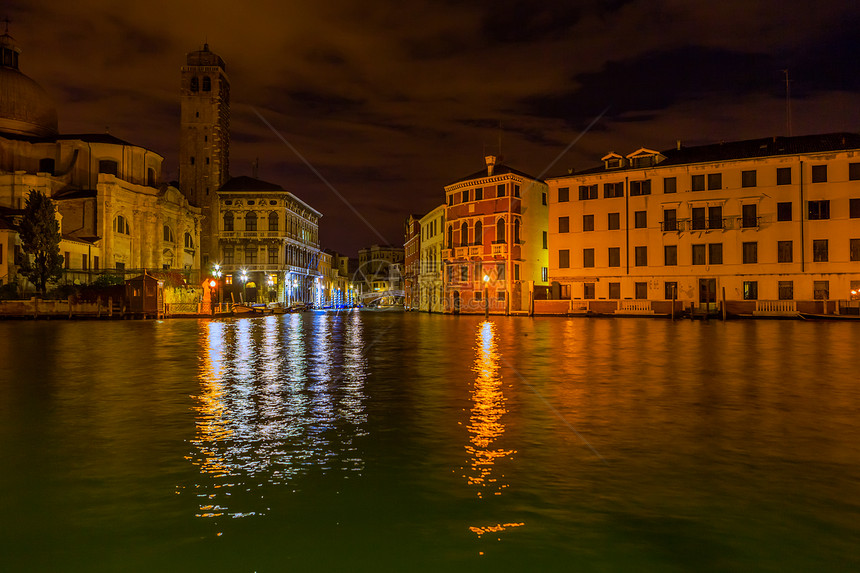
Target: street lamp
{"type": "Point", "coordinates": [244, 278]}
{"type": "Point", "coordinates": [486, 297]}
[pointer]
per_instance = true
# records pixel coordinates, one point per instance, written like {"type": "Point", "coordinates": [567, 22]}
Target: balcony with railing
{"type": "Point", "coordinates": [253, 234]}
{"type": "Point", "coordinates": [500, 249]}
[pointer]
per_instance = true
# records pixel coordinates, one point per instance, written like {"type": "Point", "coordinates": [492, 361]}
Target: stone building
{"type": "Point", "coordinates": [430, 260]}
{"type": "Point", "coordinates": [204, 144]}
{"type": "Point", "coordinates": [772, 225]}
{"type": "Point", "coordinates": [267, 243]}
{"type": "Point", "coordinates": [114, 210]}
{"type": "Point", "coordinates": [411, 261]}
{"type": "Point", "coordinates": [495, 240]}
{"type": "Point", "coordinates": [379, 270]}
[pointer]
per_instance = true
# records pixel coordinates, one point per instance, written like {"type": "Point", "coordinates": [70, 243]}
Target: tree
{"type": "Point", "coordinates": [40, 260]}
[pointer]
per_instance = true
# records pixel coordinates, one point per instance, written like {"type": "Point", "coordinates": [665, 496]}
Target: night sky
{"type": "Point", "coordinates": [391, 101]}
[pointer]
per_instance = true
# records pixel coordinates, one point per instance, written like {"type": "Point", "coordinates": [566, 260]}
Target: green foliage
{"type": "Point", "coordinates": [40, 261]}
{"type": "Point", "coordinates": [108, 280]}
{"type": "Point", "coordinates": [9, 291]}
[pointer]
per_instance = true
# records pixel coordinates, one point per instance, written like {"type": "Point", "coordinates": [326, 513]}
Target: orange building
{"type": "Point", "coordinates": [495, 241]}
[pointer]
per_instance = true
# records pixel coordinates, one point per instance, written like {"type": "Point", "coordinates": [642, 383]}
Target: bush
{"type": "Point", "coordinates": [9, 291]}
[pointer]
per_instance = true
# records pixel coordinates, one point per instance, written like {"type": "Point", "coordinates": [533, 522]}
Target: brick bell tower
{"type": "Point", "coordinates": [204, 144]}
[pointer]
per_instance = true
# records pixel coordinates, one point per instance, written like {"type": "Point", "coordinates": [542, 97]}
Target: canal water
{"type": "Point", "coordinates": [406, 442]}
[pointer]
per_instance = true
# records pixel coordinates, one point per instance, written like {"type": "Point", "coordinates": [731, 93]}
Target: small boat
{"type": "Point", "coordinates": [245, 308]}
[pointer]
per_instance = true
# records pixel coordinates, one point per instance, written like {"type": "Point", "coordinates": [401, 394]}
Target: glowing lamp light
{"type": "Point", "coordinates": [212, 283]}
{"type": "Point", "coordinates": [486, 278]}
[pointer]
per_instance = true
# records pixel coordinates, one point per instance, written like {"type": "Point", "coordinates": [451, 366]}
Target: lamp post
{"type": "Point", "coordinates": [486, 297]}
{"type": "Point", "coordinates": [244, 278]}
{"type": "Point", "coordinates": [216, 272]}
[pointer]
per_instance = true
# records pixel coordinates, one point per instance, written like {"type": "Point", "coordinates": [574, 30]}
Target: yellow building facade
{"type": "Point", "coordinates": [430, 287]}
{"type": "Point", "coordinates": [770, 226]}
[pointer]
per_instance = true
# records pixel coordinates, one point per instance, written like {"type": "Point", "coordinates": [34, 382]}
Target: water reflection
{"type": "Point", "coordinates": [486, 426]}
{"type": "Point", "coordinates": [279, 396]}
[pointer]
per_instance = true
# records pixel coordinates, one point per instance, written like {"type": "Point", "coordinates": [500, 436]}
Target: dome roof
{"type": "Point", "coordinates": [25, 108]}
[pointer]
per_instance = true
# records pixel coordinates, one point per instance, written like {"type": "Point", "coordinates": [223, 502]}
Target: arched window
{"type": "Point", "coordinates": [516, 231]}
{"type": "Point", "coordinates": [450, 237]}
{"type": "Point", "coordinates": [207, 84]}
{"type": "Point", "coordinates": [479, 233]}
{"type": "Point", "coordinates": [464, 234]}
{"type": "Point", "coordinates": [120, 225]}
{"type": "Point", "coordinates": [189, 241]}
{"type": "Point", "coordinates": [228, 221]}
{"type": "Point", "coordinates": [150, 177]}
{"type": "Point", "coordinates": [195, 84]}
{"type": "Point", "coordinates": [500, 231]}
{"type": "Point", "coordinates": [168, 234]}
{"type": "Point", "coordinates": [273, 221]}
{"type": "Point", "coordinates": [108, 166]}
{"type": "Point", "coordinates": [251, 221]}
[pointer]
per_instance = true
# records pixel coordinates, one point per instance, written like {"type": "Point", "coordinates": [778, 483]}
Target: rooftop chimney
{"type": "Point", "coordinates": [491, 163]}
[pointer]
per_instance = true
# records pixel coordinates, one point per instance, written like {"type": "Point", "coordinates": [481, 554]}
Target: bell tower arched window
{"type": "Point", "coordinates": [195, 84]}
{"type": "Point", "coordinates": [207, 84]}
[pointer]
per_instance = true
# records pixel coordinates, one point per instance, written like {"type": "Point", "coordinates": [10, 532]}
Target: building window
{"type": "Point", "coordinates": [544, 274]}
{"type": "Point", "coordinates": [588, 222]}
{"type": "Point", "coordinates": [821, 290]}
{"type": "Point", "coordinates": [273, 221]}
{"type": "Point", "coordinates": [207, 84]}
{"type": "Point", "coordinates": [500, 191]}
{"type": "Point", "coordinates": [273, 256]}
{"type": "Point", "coordinates": [785, 290]}
{"type": "Point", "coordinates": [670, 290]}
{"type": "Point", "coordinates": [564, 224]}
{"type": "Point", "coordinates": [698, 183]}
{"type": "Point", "coordinates": [715, 254]}
{"type": "Point", "coordinates": [516, 190]}
{"type": "Point", "coordinates": [615, 290]}
{"type": "Point", "coordinates": [670, 220]}
{"type": "Point", "coordinates": [189, 241]}
{"type": "Point", "coordinates": [500, 231]}
{"type": "Point", "coordinates": [698, 219]}
{"type": "Point", "coordinates": [167, 234]}
{"type": "Point", "coordinates": [67, 260]}
{"type": "Point", "coordinates": [516, 231]}
{"type": "Point", "coordinates": [715, 181]}
{"type": "Point", "coordinates": [479, 194]}
{"type": "Point", "coordinates": [120, 225]}
{"type": "Point", "coordinates": [108, 166]}
{"type": "Point", "coordinates": [640, 290]}
{"type": "Point", "coordinates": [195, 84]}
{"type": "Point", "coordinates": [516, 272]}
{"type": "Point", "coordinates": [749, 216]}
{"type": "Point", "coordinates": [783, 175]}
{"type": "Point", "coordinates": [614, 256]}
{"type": "Point", "coordinates": [854, 208]}
{"type": "Point", "coordinates": [477, 295]}
{"type": "Point", "coordinates": [465, 198]}
{"type": "Point", "coordinates": [748, 178]}
{"type": "Point", "coordinates": [640, 219]}
{"type": "Point", "coordinates": [544, 240]}
{"type": "Point", "coordinates": [479, 233]}
{"type": "Point", "coordinates": [500, 296]}
{"type": "Point", "coordinates": [588, 291]}
{"type": "Point", "coordinates": [192, 160]}
{"type": "Point", "coordinates": [464, 273]}
{"type": "Point", "coordinates": [784, 252]}
{"type": "Point", "coordinates": [854, 172]}
{"type": "Point", "coordinates": [750, 253]}
{"type": "Point", "coordinates": [564, 259]}
{"type": "Point", "coordinates": [641, 254]}
{"type": "Point", "coordinates": [819, 251]}
{"type": "Point", "coordinates": [251, 221]}
{"type": "Point", "coordinates": [543, 198]}
{"type": "Point", "coordinates": [670, 185]}
{"type": "Point", "coordinates": [1, 253]}
{"type": "Point", "coordinates": [818, 210]}
{"type": "Point", "coordinates": [450, 200]}
{"type": "Point", "coordinates": [464, 234]}
{"type": "Point", "coordinates": [670, 255]}
{"type": "Point", "coordinates": [783, 211]}
{"type": "Point", "coordinates": [588, 258]}
{"type": "Point", "coordinates": [642, 187]}
{"type": "Point", "coordinates": [819, 173]}
{"type": "Point", "coordinates": [613, 221]}
{"type": "Point", "coordinates": [251, 255]}
{"type": "Point", "coordinates": [715, 217]}
{"type": "Point", "coordinates": [587, 192]}
{"type": "Point", "coordinates": [750, 290]}
{"type": "Point", "coordinates": [563, 194]}
{"type": "Point", "coordinates": [854, 249]}
{"type": "Point", "coordinates": [228, 221]}
{"type": "Point", "coordinates": [612, 190]}
{"type": "Point", "coordinates": [699, 255]}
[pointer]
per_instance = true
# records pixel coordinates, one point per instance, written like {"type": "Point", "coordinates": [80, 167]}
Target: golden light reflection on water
{"type": "Point", "coordinates": [279, 396]}
{"type": "Point", "coordinates": [486, 424]}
